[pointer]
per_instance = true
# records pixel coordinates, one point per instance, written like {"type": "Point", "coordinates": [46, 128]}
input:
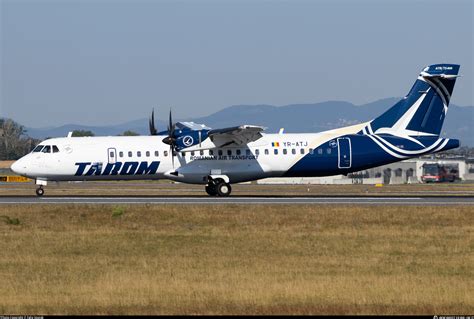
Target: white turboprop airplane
{"type": "Point", "coordinates": [196, 154]}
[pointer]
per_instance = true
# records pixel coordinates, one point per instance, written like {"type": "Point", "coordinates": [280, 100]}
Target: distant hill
{"type": "Point", "coordinates": [294, 118]}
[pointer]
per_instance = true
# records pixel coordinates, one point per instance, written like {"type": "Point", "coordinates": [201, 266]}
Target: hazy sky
{"type": "Point", "coordinates": [106, 62]}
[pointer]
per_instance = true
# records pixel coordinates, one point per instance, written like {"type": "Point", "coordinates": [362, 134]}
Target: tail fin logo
{"type": "Point", "coordinates": [423, 110]}
{"type": "Point", "coordinates": [419, 116]}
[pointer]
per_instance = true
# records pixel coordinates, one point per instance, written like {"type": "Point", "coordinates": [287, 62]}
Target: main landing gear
{"type": "Point", "coordinates": [218, 187]}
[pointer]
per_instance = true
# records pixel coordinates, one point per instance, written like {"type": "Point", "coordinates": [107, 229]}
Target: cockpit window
{"type": "Point", "coordinates": [55, 149]}
{"type": "Point", "coordinates": [47, 149]}
{"type": "Point", "coordinates": [38, 148]}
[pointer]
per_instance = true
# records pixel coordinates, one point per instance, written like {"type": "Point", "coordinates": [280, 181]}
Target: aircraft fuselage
{"type": "Point", "coordinates": [339, 151]}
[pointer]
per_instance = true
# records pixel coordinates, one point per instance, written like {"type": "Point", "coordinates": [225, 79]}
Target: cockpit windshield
{"type": "Point", "coordinates": [46, 149]}
{"type": "Point", "coordinates": [38, 148]}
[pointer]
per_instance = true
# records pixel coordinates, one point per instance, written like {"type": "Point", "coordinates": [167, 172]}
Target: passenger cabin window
{"type": "Point", "coordinates": [320, 151]}
{"type": "Point", "coordinates": [38, 148]}
{"type": "Point", "coordinates": [211, 152]}
{"type": "Point", "coordinates": [147, 153]}
{"type": "Point", "coordinates": [311, 151]}
{"type": "Point", "coordinates": [121, 154]}
{"type": "Point", "coordinates": [192, 153]}
{"type": "Point", "coordinates": [266, 151]}
{"type": "Point", "coordinates": [328, 151]}
{"type": "Point", "coordinates": [229, 152]}
{"type": "Point", "coordinates": [165, 153]}
{"type": "Point", "coordinates": [302, 151]}
{"type": "Point", "coordinates": [219, 152]}
{"type": "Point", "coordinates": [293, 151]}
{"type": "Point", "coordinates": [201, 153]}
{"type": "Point", "coordinates": [275, 151]}
{"type": "Point", "coordinates": [55, 149]}
{"type": "Point", "coordinates": [47, 149]}
{"type": "Point", "coordinates": [257, 152]}
{"type": "Point", "coordinates": [139, 154]}
{"type": "Point", "coordinates": [129, 154]}
{"type": "Point", "coordinates": [111, 154]}
{"type": "Point", "coordinates": [238, 152]}
{"type": "Point", "coordinates": [183, 154]}
{"type": "Point", "coordinates": [247, 152]}
{"type": "Point", "coordinates": [285, 151]}
{"type": "Point", "coordinates": [156, 153]}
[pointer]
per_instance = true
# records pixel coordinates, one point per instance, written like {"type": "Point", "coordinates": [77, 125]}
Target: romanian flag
{"type": "Point", "coordinates": [275, 144]}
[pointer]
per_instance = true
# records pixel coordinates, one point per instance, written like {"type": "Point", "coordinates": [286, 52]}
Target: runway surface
{"type": "Point", "coordinates": [356, 200]}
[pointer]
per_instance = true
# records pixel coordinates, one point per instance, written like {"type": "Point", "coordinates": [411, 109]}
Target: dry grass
{"type": "Point", "coordinates": [80, 259]}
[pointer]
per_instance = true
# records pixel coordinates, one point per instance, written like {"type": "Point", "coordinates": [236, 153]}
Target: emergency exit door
{"type": "Point", "coordinates": [344, 152]}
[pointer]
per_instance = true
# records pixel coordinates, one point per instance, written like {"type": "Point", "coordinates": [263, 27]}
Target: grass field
{"type": "Point", "coordinates": [295, 259]}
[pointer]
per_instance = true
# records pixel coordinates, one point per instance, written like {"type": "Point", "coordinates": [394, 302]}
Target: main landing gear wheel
{"type": "Point", "coordinates": [40, 191]}
{"type": "Point", "coordinates": [211, 190]}
{"type": "Point", "coordinates": [223, 189]}
{"type": "Point", "coordinates": [218, 187]}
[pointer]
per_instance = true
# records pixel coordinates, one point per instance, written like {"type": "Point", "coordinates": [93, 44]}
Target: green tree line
{"type": "Point", "coordinates": [14, 143]}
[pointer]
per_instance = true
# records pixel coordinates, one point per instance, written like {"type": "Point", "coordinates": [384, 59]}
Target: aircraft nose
{"type": "Point", "coordinates": [19, 167]}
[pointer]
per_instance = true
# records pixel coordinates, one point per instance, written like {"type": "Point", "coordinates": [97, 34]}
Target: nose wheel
{"type": "Point", "coordinates": [40, 191]}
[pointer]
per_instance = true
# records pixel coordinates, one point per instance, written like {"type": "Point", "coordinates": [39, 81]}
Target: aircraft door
{"type": "Point", "coordinates": [344, 152]}
{"type": "Point", "coordinates": [112, 155]}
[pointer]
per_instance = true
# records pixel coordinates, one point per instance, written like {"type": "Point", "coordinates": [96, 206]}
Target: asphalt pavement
{"type": "Point", "coordinates": [194, 200]}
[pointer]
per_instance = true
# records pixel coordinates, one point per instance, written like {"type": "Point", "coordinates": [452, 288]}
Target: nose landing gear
{"type": "Point", "coordinates": [40, 191]}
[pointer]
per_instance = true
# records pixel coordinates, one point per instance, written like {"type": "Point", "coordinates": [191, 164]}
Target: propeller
{"type": "Point", "coordinates": [170, 139]}
{"type": "Point", "coordinates": [151, 123]}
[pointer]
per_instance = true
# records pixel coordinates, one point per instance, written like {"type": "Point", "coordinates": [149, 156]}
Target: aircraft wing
{"type": "Point", "coordinates": [239, 135]}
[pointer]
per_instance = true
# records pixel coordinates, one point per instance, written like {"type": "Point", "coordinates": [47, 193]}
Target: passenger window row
{"type": "Point", "coordinates": [248, 152]}
{"type": "Point", "coordinates": [140, 153]}
{"type": "Point", "coordinates": [220, 152]}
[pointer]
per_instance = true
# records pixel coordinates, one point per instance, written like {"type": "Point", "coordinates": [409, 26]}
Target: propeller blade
{"type": "Point", "coordinates": [170, 123]}
{"type": "Point", "coordinates": [170, 139]}
{"type": "Point", "coordinates": [151, 123]}
{"type": "Point", "coordinates": [172, 154]}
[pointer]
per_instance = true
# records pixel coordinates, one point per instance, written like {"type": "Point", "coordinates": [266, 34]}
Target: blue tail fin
{"type": "Point", "coordinates": [422, 111]}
